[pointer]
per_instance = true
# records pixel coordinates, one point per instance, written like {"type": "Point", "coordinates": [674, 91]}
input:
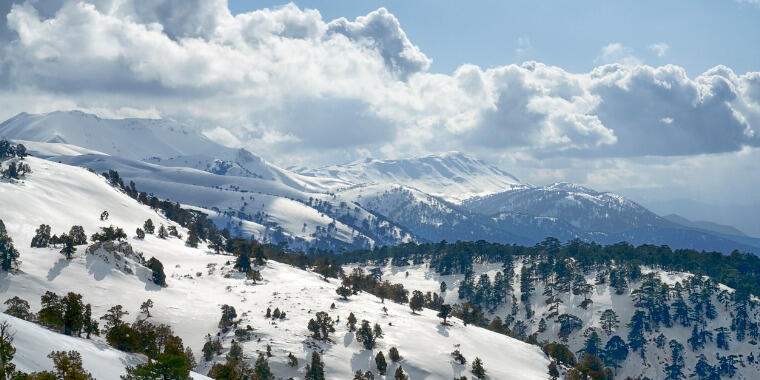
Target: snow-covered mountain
{"type": "Point", "coordinates": [453, 176]}
{"type": "Point", "coordinates": [451, 196]}
{"type": "Point", "coordinates": [199, 282]}
{"type": "Point", "coordinates": [582, 207]}
{"type": "Point", "coordinates": [164, 142]}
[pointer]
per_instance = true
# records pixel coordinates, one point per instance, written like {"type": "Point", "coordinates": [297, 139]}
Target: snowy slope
{"type": "Point", "coordinates": [453, 176]}
{"type": "Point", "coordinates": [422, 277]}
{"type": "Point", "coordinates": [199, 282]}
{"type": "Point", "coordinates": [33, 343]}
{"type": "Point", "coordinates": [279, 212]}
{"type": "Point", "coordinates": [161, 141]}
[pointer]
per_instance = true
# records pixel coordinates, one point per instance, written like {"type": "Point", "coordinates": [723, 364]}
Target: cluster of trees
{"type": "Point", "coordinates": [167, 356]}
{"type": "Point", "coordinates": [109, 233]}
{"type": "Point", "coordinates": [68, 314]}
{"type": "Point", "coordinates": [8, 150]}
{"type": "Point", "coordinates": [15, 169]}
{"type": "Point", "coordinates": [76, 236]}
{"type": "Point", "coordinates": [8, 253]}
{"type": "Point", "coordinates": [737, 270]}
{"type": "Point", "coordinates": [359, 280]}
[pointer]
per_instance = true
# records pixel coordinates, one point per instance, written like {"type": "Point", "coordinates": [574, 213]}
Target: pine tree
{"type": "Point", "coordinates": [68, 249]}
{"type": "Point", "coordinates": [609, 321]}
{"type": "Point", "coordinates": [321, 325]}
{"type": "Point", "coordinates": [18, 308]}
{"type": "Point", "coordinates": [458, 357]}
{"type": "Point", "coordinates": [90, 325]}
{"type": "Point", "coordinates": [380, 363]}
{"type": "Point", "coordinates": [140, 233]}
{"type": "Point", "coordinates": [8, 254]}
{"type": "Point", "coordinates": [243, 262]}
{"type": "Point", "coordinates": [592, 344]}
{"type": "Point", "coordinates": [208, 349]}
{"type": "Point", "coordinates": [721, 338]}
{"type": "Point", "coordinates": [443, 312]}
{"type": "Point", "coordinates": [146, 306]}
{"type": "Point", "coordinates": [568, 324]}
{"type": "Point", "coordinates": [541, 325]}
{"type": "Point", "coordinates": [7, 351]}
{"type": "Point", "coordinates": [674, 370]}
{"type": "Point", "coordinates": [344, 291]}
{"type": "Point", "coordinates": [162, 232]}
{"type": "Point", "coordinates": [157, 268]}
{"type": "Point", "coordinates": [368, 336]}
{"type": "Point", "coordinates": [258, 256]}
{"type": "Point", "coordinates": [351, 322]}
{"type": "Point", "coordinates": [399, 374]}
{"type": "Point", "coordinates": [261, 369]}
{"type": "Point", "coordinates": [703, 370]}
{"type": "Point", "coordinates": [615, 351]}
{"type": "Point", "coordinates": [477, 368]}
{"type": "Point", "coordinates": [41, 237]}
{"type": "Point", "coordinates": [192, 238]}
{"type": "Point", "coordinates": [292, 360]}
{"type": "Point", "coordinates": [315, 370]}
{"type": "Point", "coordinates": [228, 317]}
{"type": "Point", "coordinates": [393, 354]}
{"type": "Point", "coordinates": [149, 227]}
{"type": "Point", "coordinates": [73, 313]}
{"type": "Point", "coordinates": [77, 235]}
{"type": "Point", "coordinates": [417, 301]}
{"type": "Point", "coordinates": [636, 338]}
{"type": "Point", "coordinates": [68, 365]}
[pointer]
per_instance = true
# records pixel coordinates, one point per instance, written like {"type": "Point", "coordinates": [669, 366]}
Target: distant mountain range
{"type": "Point", "coordinates": [451, 196]}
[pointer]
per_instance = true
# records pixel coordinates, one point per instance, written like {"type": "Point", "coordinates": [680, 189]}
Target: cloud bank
{"type": "Point", "coordinates": [281, 79]}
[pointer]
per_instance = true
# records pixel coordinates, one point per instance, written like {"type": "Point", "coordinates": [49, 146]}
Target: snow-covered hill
{"type": "Point", "coordinates": [453, 176]}
{"type": "Point", "coordinates": [199, 282]}
{"type": "Point", "coordinates": [652, 362]}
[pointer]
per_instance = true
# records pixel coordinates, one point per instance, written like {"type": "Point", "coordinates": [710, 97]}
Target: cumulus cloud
{"type": "Point", "coordinates": [284, 79]}
{"type": "Point", "coordinates": [381, 29]}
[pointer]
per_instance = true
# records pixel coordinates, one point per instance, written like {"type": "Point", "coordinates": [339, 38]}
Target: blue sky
{"type": "Point", "coordinates": [699, 34]}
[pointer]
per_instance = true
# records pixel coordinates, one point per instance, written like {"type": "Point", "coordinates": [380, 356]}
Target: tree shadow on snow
{"type": "Point", "coordinates": [362, 360]}
{"type": "Point", "coordinates": [57, 268]}
{"type": "Point", "coordinates": [443, 330]}
{"type": "Point", "coordinates": [348, 338]}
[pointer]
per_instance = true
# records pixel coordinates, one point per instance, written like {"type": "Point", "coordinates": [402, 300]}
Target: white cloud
{"type": "Point", "coordinates": [381, 30]}
{"type": "Point", "coordinates": [282, 80]}
{"type": "Point", "coordinates": [659, 48]}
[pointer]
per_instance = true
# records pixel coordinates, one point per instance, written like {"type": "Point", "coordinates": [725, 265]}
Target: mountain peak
{"type": "Point", "coordinates": [454, 175]}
